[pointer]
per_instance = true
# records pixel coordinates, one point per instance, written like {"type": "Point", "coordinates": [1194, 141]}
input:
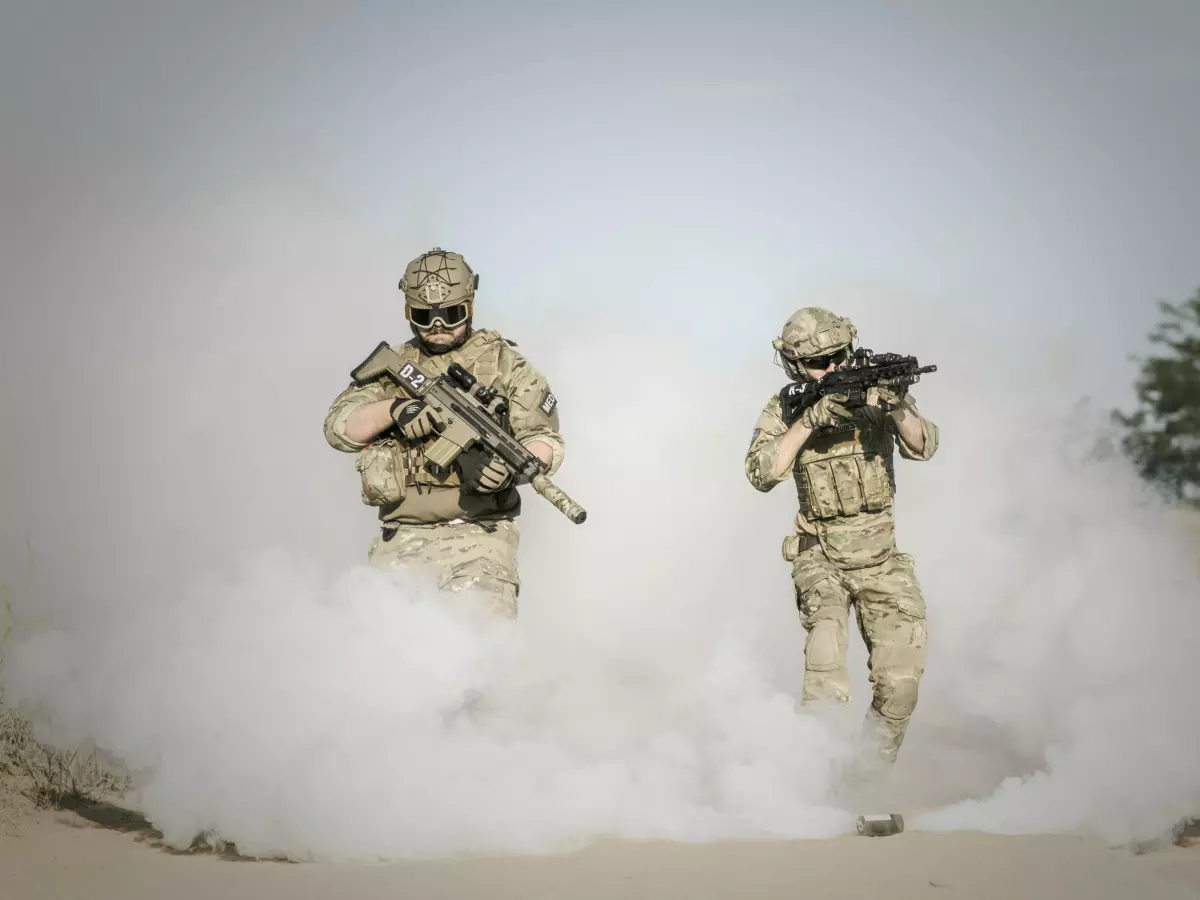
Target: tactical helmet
{"type": "Point", "coordinates": [812, 332]}
{"type": "Point", "coordinates": [439, 286]}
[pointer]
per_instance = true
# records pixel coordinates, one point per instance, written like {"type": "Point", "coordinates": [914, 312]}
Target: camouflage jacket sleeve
{"type": "Point", "coordinates": [763, 452]}
{"type": "Point", "coordinates": [343, 405]}
{"type": "Point", "coordinates": [928, 427]}
{"type": "Point", "coordinates": [533, 409]}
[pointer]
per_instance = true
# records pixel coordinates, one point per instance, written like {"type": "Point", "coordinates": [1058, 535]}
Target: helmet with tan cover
{"type": "Point", "coordinates": [439, 289]}
{"type": "Point", "coordinates": [812, 332]}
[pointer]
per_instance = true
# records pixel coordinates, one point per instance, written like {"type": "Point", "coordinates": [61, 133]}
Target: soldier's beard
{"type": "Point", "coordinates": [434, 348]}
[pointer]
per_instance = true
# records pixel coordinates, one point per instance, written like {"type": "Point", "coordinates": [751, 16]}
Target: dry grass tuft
{"type": "Point", "coordinates": [50, 777]}
{"type": "Point", "coordinates": [34, 773]}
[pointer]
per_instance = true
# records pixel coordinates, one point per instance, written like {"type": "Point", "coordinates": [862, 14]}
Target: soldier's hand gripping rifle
{"type": "Point", "coordinates": [866, 370]}
{"type": "Point", "coordinates": [472, 414]}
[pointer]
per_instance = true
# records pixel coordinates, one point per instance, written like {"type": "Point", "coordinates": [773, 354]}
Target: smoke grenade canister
{"type": "Point", "coordinates": [879, 825]}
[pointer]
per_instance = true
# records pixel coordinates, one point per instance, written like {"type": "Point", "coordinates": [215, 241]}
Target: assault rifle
{"type": "Point", "coordinates": [867, 369]}
{"type": "Point", "coordinates": [473, 414]}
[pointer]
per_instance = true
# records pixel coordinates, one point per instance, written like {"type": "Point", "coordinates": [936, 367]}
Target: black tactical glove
{"type": "Point", "coordinates": [484, 472]}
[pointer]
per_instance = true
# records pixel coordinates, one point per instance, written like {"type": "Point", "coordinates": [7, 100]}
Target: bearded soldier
{"type": "Point", "coordinates": [458, 524]}
{"type": "Point", "coordinates": [844, 551]}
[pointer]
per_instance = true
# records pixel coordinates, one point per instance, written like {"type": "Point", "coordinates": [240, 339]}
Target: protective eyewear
{"type": "Point", "coordinates": [449, 316]}
{"type": "Point", "coordinates": [823, 362]}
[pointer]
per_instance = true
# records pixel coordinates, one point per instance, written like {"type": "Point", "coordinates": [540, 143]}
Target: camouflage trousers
{"type": "Point", "coordinates": [891, 619]}
{"type": "Point", "coordinates": [459, 556]}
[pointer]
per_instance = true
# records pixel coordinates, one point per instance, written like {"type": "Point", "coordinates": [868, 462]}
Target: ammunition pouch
{"type": "Point", "coordinates": [382, 472]}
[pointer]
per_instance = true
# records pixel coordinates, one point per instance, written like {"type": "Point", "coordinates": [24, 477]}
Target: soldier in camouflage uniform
{"type": "Point", "coordinates": [844, 550]}
{"type": "Point", "coordinates": [459, 525]}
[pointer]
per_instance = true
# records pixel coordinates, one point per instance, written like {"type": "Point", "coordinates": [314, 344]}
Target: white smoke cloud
{"type": "Point", "coordinates": [1080, 651]}
{"type": "Point", "coordinates": [295, 711]}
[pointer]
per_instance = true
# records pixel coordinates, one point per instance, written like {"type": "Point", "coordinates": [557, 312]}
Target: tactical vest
{"type": "Point", "coordinates": [845, 470]}
{"type": "Point", "coordinates": [391, 469]}
{"type": "Point", "coordinates": [480, 356]}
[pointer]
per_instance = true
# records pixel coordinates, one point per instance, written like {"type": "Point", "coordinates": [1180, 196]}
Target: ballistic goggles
{"type": "Point", "coordinates": [448, 316]}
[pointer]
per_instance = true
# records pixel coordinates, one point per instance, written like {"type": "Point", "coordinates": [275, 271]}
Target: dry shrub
{"type": "Point", "coordinates": [48, 776]}
{"type": "Point", "coordinates": [45, 775]}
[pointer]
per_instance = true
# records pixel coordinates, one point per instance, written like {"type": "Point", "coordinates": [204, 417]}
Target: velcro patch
{"type": "Point", "coordinates": [548, 403]}
{"type": "Point", "coordinates": [840, 428]}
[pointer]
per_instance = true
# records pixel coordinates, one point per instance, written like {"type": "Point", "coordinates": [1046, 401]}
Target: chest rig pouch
{"type": "Point", "coordinates": [381, 468]}
{"type": "Point", "coordinates": [845, 482]}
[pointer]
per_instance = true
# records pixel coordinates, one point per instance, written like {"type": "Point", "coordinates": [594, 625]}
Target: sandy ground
{"type": "Point", "coordinates": [103, 851]}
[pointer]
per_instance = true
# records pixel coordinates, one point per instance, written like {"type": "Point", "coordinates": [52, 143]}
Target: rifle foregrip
{"type": "Point", "coordinates": [556, 495]}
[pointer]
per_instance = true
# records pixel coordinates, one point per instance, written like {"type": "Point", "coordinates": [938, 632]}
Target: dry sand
{"type": "Point", "coordinates": [104, 851]}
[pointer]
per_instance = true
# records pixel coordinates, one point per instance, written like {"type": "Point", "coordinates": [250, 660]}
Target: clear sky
{"type": "Point", "coordinates": [1033, 169]}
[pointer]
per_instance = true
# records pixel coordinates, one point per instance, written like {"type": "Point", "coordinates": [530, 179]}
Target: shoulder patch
{"type": "Point", "coordinates": [754, 437]}
{"type": "Point", "coordinates": [548, 403]}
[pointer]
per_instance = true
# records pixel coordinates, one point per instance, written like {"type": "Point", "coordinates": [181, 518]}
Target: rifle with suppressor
{"type": "Point", "coordinates": [867, 369]}
{"type": "Point", "coordinates": [472, 414]}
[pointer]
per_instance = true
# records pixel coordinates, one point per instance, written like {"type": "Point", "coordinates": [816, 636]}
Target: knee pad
{"type": "Point", "coordinates": [824, 650]}
{"type": "Point", "coordinates": [896, 693]}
